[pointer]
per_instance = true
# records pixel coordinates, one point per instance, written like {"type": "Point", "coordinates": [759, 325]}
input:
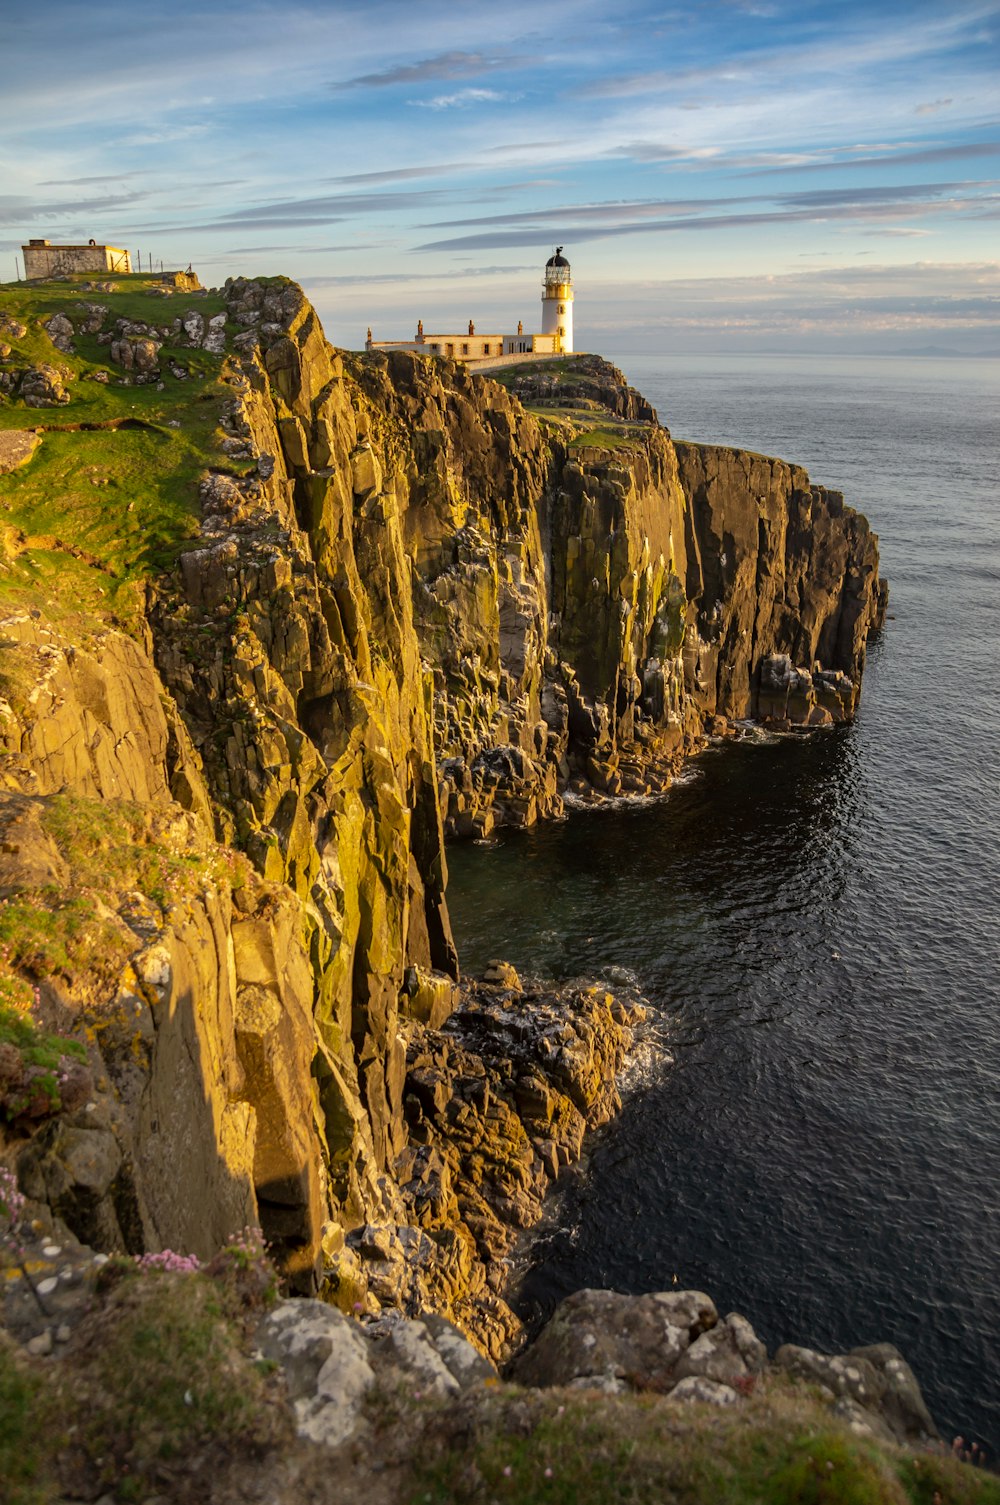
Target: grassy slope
{"type": "Point", "coordinates": [565, 1447]}
{"type": "Point", "coordinates": [101, 511]}
{"type": "Point", "coordinates": [578, 427]}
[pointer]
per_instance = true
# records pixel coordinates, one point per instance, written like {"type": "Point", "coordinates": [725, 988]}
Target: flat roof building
{"type": "Point", "coordinates": [43, 259]}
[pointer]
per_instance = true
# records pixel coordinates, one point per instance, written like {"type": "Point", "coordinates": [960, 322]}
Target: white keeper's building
{"type": "Point", "coordinates": [555, 337]}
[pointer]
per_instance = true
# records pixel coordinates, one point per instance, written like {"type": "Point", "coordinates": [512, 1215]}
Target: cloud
{"type": "Point", "coordinates": [402, 174]}
{"type": "Point", "coordinates": [17, 209]}
{"type": "Point", "coordinates": [165, 134]}
{"type": "Point", "coordinates": [821, 198]}
{"type": "Point", "coordinates": [462, 99]}
{"type": "Point", "coordinates": [598, 213]}
{"type": "Point", "coordinates": [874, 43]}
{"type": "Point", "coordinates": [856, 205]}
{"type": "Point", "coordinates": [932, 106]}
{"type": "Point", "coordinates": [524, 146]}
{"type": "Point", "coordinates": [328, 209]}
{"type": "Point", "coordinates": [106, 177]}
{"type": "Point", "coordinates": [666, 213]}
{"type": "Point", "coordinates": [652, 151]}
{"type": "Point", "coordinates": [446, 65]}
{"type": "Point", "coordinates": [843, 302]}
{"type": "Point", "coordinates": [362, 279]}
{"type": "Point", "coordinates": [889, 157]}
{"type": "Point", "coordinates": [900, 231]}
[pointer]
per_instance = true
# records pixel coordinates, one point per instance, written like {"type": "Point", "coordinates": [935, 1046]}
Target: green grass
{"type": "Point", "coordinates": [116, 845]}
{"type": "Point", "coordinates": [52, 934]}
{"type": "Point", "coordinates": [111, 848]}
{"type": "Point", "coordinates": [24, 1438]}
{"type": "Point", "coordinates": [156, 1391]}
{"type": "Point", "coordinates": [102, 510]}
{"type": "Point", "coordinates": [168, 1373]}
{"type": "Point", "coordinates": [567, 365]}
{"type": "Point", "coordinates": [561, 1448]}
{"type": "Point", "coordinates": [603, 438]}
{"type": "Point", "coordinates": [37, 1050]}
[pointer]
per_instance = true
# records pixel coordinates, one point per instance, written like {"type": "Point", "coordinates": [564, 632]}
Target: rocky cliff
{"type": "Point", "coordinates": [276, 620]}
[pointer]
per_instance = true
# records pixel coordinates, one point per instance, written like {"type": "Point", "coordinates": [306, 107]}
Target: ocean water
{"type": "Point", "coordinates": [813, 1136]}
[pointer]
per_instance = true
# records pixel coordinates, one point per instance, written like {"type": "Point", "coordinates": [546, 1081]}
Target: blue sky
{"type": "Point", "coordinates": [729, 175]}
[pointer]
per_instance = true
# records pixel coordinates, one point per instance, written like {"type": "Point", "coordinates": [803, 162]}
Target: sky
{"type": "Point", "coordinates": [731, 175]}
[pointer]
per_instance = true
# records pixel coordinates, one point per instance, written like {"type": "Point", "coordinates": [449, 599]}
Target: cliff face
{"type": "Point", "coordinates": [405, 605]}
{"type": "Point", "coordinates": [784, 589]}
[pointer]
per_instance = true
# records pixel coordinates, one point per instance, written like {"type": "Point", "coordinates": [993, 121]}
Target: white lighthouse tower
{"type": "Point", "coordinates": [557, 302]}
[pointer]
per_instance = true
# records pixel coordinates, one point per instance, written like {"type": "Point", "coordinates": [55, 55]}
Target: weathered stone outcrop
{"type": "Point", "coordinates": [675, 1343]}
{"type": "Point", "coordinates": [649, 1397]}
{"type": "Point", "coordinates": [497, 1102]}
{"type": "Point", "coordinates": [590, 383]}
{"type": "Point", "coordinates": [16, 448]}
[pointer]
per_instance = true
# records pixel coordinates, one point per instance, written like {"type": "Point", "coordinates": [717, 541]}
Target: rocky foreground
{"type": "Point", "coordinates": [160, 1381]}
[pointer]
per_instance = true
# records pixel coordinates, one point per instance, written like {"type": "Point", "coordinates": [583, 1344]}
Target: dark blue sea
{"type": "Point", "coordinates": [813, 1133]}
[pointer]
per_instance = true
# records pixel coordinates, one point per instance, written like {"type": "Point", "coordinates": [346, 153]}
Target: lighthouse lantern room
{"type": "Point", "coordinates": [557, 302]}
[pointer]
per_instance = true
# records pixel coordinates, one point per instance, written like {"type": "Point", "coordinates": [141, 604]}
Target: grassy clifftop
{"type": "Point", "coordinates": [131, 397]}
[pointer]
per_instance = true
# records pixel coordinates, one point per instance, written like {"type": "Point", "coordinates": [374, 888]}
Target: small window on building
{"type": "Point", "coordinates": [562, 308]}
{"type": "Point", "coordinates": [465, 349]}
{"type": "Point", "coordinates": [561, 330]}
{"type": "Point", "coordinates": [486, 349]}
{"type": "Point", "coordinates": [436, 349]}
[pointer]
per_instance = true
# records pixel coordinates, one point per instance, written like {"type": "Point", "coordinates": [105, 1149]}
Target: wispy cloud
{"type": "Point", "coordinates": [857, 205]}
{"type": "Point", "coordinates": [462, 99]}
{"type": "Point", "coordinates": [664, 213]}
{"type": "Point", "coordinates": [405, 174]}
{"type": "Point", "coordinates": [15, 209]}
{"type": "Point", "coordinates": [453, 275]}
{"type": "Point", "coordinates": [932, 106]}
{"type": "Point", "coordinates": [317, 210]}
{"type": "Point", "coordinates": [654, 151]}
{"type": "Point", "coordinates": [445, 65]}
{"type": "Point", "coordinates": [888, 156]}
{"type": "Point", "coordinates": [101, 177]}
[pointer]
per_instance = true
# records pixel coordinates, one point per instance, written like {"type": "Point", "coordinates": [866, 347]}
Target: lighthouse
{"type": "Point", "coordinates": [557, 302]}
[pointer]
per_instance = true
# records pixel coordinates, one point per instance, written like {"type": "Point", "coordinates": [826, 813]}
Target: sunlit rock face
{"type": "Point", "coordinates": [415, 607]}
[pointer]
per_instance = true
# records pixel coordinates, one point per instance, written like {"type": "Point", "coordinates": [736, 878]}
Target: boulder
{"type": "Point", "coordinates": [16, 448]}
{"type": "Point", "coordinates": [325, 1361]}
{"type": "Point", "coordinates": [60, 331]}
{"type": "Point", "coordinates": [706, 1391]}
{"type": "Point", "coordinates": [620, 1341]}
{"type": "Point", "coordinates": [731, 1350]}
{"type": "Point", "coordinates": [136, 354]}
{"type": "Point", "coordinates": [42, 387]}
{"type": "Point", "coordinates": [900, 1400]}
{"type": "Point", "coordinates": [875, 1379]}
